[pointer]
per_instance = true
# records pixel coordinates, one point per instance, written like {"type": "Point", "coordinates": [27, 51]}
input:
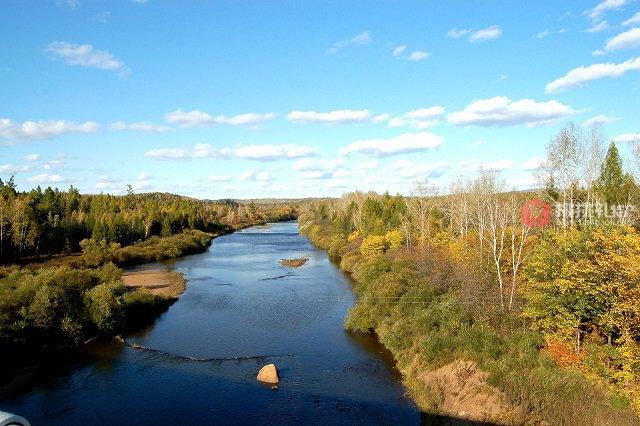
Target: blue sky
{"type": "Point", "coordinates": [246, 99]}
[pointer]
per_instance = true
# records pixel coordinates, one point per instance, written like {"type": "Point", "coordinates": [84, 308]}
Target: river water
{"type": "Point", "coordinates": [240, 303]}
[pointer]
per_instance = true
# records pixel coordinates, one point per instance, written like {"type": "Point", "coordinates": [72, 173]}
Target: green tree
{"type": "Point", "coordinates": [612, 177]}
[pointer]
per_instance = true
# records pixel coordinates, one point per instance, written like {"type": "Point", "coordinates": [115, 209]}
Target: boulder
{"type": "Point", "coordinates": [268, 374]}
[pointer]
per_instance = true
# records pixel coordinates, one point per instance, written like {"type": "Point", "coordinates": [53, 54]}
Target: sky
{"type": "Point", "coordinates": [257, 99]}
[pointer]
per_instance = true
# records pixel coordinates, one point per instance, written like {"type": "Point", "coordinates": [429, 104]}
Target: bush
{"type": "Point", "coordinates": [373, 245]}
{"type": "Point", "coordinates": [394, 238]}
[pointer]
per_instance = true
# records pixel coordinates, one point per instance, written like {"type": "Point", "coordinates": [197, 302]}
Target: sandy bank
{"type": "Point", "coordinates": [162, 283]}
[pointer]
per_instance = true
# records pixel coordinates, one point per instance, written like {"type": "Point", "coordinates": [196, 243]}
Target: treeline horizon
{"type": "Point", "coordinates": [51, 221]}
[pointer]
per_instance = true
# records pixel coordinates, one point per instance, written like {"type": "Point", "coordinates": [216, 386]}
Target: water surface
{"type": "Point", "coordinates": [241, 310]}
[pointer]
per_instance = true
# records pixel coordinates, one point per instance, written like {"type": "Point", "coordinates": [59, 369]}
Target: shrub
{"type": "Point", "coordinates": [373, 245]}
{"type": "Point", "coordinates": [394, 238]}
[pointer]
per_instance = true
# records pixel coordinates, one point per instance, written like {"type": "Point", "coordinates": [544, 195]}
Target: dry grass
{"type": "Point", "coordinates": [294, 263]}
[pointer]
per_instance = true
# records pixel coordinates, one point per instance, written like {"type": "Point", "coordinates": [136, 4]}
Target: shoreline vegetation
{"type": "Point", "coordinates": [61, 254]}
{"type": "Point", "coordinates": [541, 323]}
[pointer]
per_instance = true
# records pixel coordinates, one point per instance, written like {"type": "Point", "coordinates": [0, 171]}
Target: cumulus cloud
{"type": "Point", "coordinates": [598, 27]}
{"type": "Point", "coordinates": [255, 176]}
{"type": "Point", "coordinates": [456, 33]}
{"type": "Point", "coordinates": [399, 50]}
{"type": "Point", "coordinates": [408, 169]}
{"type": "Point", "coordinates": [245, 152]}
{"type": "Point", "coordinates": [31, 157]}
{"type": "Point", "coordinates": [533, 163]}
{"type": "Point", "coordinates": [167, 154]}
{"type": "Point", "coordinates": [105, 182]}
{"type": "Point", "coordinates": [502, 111]}
{"type": "Point", "coordinates": [361, 39]}
{"type": "Point", "coordinates": [45, 129]}
{"type": "Point", "coordinates": [402, 144]}
{"type": "Point", "coordinates": [418, 55]}
{"type": "Point", "coordinates": [627, 137]}
{"type": "Point", "coordinates": [141, 126]}
{"type": "Point", "coordinates": [486, 34]}
{"type": "Point", "coordinates": [599, 119]}
{"type": "Point", "coordinates": [627, 40]}
{"type": "Point", "coordinates": [584, 74]}
{"type": "Point", "coordinates": [314, 165]}
{"type": "Point", "coordinates": [477, 36]}
{"type": "Point", "coordinates": [45, 179]}
{"type": "Point", "coordinates": [601, 8]}
{"type": "Point", "coordinates": [9, 169]}
{"type": "Point", "coordinates": [419, 119]}
{"type": "Point", "coordinates": [340, 116]}
{"type": "Point", "coordinates": [634, 20]}
{"type": "Point", "coordinates": [219, 178]}
{"type": "Point", "coordinates": [197, 118]}
{"type": "Point", "coordinates": [85, 55]}
{"type": "Point", "coordinates": [273, 152]}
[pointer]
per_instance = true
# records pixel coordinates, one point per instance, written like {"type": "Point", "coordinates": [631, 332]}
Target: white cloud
{"type": "Point", "coordinates": [340, 116]}
{"type": "Point", "coordinates": [45, 129]}
{"type": "Point", "coordinates": [85, 55]}
{"type": "Point", "coordinates": [504, 77]}
{"type": "Point", "coordinates": [418, 55]}
{"type": "Point", "coordinates": [408, 169]}
{"type": "Point", "coordinates": [635, 19]}
{"type": "Point", "coordinates": [255, 176]}
{"type": "Point", "coordinates": [167, 154]}
{"type": "Point", "coordinates": [188, 118]}
{"type": "Point", "coordinates": [205, 150]}
{"type": "Point", "coordinates": [598, 27]}
{"type": "Point", "coordinates": [219, 178]}
{"type": "Point", "coordinates": [144, 176]}
{"type": "Point", "coordinates": [581, 75]}
{"type": "Point", "coordinates": [31, 157]}
{"type": "Point", "coordinates": [533, 163]}
{"type": "Point", "coordinates": [456, 33]}
{"type": "Point", "coordinates": [599, 119]}
{"type": "Point", "coordinates": [402, 144]}
{"type": "Point", "coordinates": [419, 119]}
{"type": "Point", "coordinates": [10, 169]}
{"type": "Point", "coordinates": [141, 126]}
{"type": "Point", "coordinates": [46, 178]}
{"type": "Point", "coordinates": [398, 50]}
{"type": "Point", "coordinates": [477, 36]}
{"type": "Point", "coordinates": [486, 34]}
{"type": "Point", "coordinates": [502, 111]}
{"type": "Point", "coordinates": [105, 182]}
{"type": "Point", "coordinates": [542, 34]}
{"type": "Point", "coordinates": [358, 40]}
{"type": "Point", "coordinates": [603, 7]}
{"type": "Point", "coordinates": [627, 137]}
{"type": "Point", "coordinates": [627, 40]}
{"type": "Point", "coordinates": [250, 118]}
{"type": "Point", "coordinates": [312, 165]}
{"type": "Point", "coordinates": [196, 118]}
{"type": "Point", "coordinates": [273, 152]}
{"type": "Point", "coordinates": [367, 165]}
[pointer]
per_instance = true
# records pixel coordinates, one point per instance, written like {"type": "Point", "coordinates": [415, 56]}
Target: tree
{"type": "Point", "coordinates": [611, 177]}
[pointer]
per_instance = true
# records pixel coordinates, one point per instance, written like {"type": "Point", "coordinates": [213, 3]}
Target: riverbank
{"type": "Point", "coordinates": [427, 306]}
{"type": "Point", "coordinates": [159, 283]}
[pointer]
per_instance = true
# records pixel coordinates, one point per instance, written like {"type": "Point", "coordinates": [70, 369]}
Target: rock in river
{"type": "Point", "coordinates": [268, 374]}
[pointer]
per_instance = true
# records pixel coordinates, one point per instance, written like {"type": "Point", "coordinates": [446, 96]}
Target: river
{"type": "Point", "coordinates": [240, 303]}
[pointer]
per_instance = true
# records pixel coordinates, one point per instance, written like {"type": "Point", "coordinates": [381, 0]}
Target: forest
{"type": "Point", "coordinates": [543, 295]}
{"type": "Point", "coordinates": [60, 284]}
